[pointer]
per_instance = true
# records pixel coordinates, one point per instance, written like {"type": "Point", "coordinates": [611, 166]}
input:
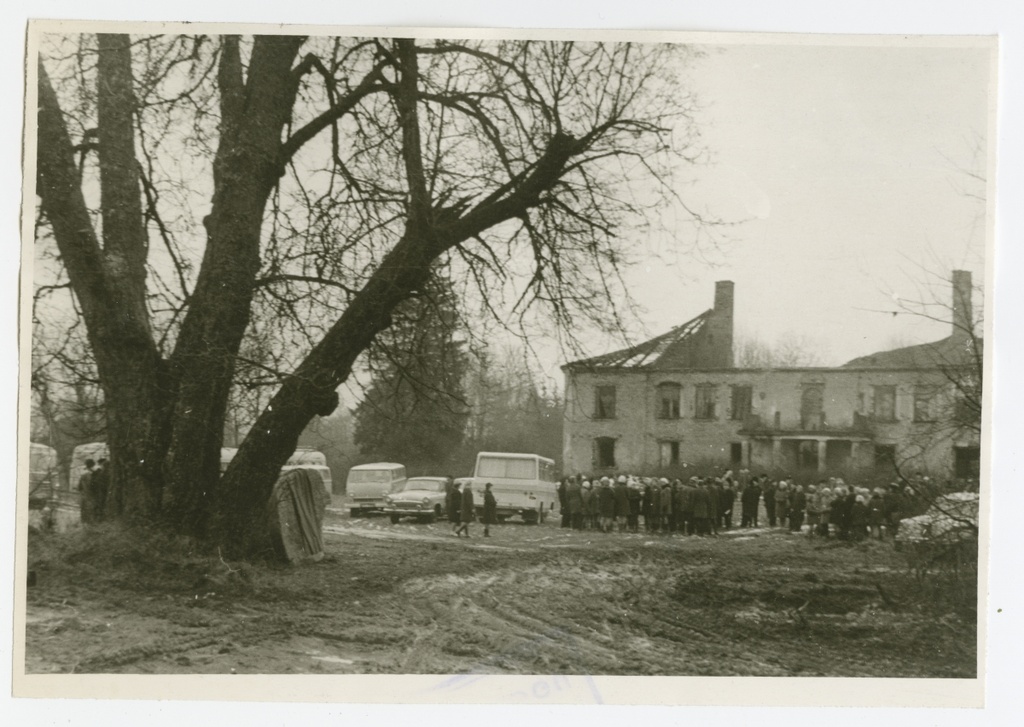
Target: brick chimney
{"type": "Point", "coordinates": [721, 325]}
{"type": "Point", "coordinates": [963, 316]}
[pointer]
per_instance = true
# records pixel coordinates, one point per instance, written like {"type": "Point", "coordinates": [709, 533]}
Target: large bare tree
{"type": "Point", "coordinates": [228, 208]}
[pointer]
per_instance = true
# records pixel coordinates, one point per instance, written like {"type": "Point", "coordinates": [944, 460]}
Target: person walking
{"type": "Point", "coordinates": [453, 505]}
{"type": "Point", "coordinates": [490, 510]}
{"type": "Point", "coordinates": [468, 511]}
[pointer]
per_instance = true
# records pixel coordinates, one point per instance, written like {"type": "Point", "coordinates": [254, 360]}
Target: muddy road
{"type": "Point", "coordinates": [410, 598]}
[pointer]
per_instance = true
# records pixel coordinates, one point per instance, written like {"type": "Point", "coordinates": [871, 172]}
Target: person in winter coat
{"type": "Point", "coordinates": [666, 508]}
{"type": "Point", "coordinates": [782, 503]}
{"type": "Point", "coordinates": [453, 506]}
{"type": "Point", "coordinates": [875, 518]}
{"type": "Point", "coordinates": [563, 503]}
{"type": "Point", "coordinates": [727, 499]}
{"type": "Point", "coordinates": [750, 501]}
{"type": "Point", "coordinates": [587, 494]}
{"type": "Point", "coordinates": [824, 510]}
{"type": "Point", "coordinates": [837, 513]}
{"type": "Point", "coordinates": [593, 511]}
{"type": "Point", "coordinates": [621, 503]}
{"type": "Point", "coordinates": [701, 509]}
{"type": "Point", "coordinates": [797, 506]}
{"type": "Point", "coordinates": [468, 513]}
{"type": "Point", "coordinates": [635, 502]}
{"type": "Point", "coordinates": [490, 510]}
{"type": "Point", "coordinates": [655, 506]}
{"type": "Point", "coordinates": [645, 506]}
{"type": "Point", "coordinates": [858, 518]}
{"type": "Point", "coordinates": [575, 499]}
{"type": "Point", "coordinates": [714, 507]}
{"type": "Point", "coordinates": [606, 503]}
{"type": "Point", "coordinates": [686, 507]}
{"type": "Point", "coordinates": [769, 490]}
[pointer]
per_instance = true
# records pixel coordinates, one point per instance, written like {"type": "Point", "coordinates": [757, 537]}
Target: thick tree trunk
{"type": "Point", "coordinates": [246, 169]}
{"type": "Point", "coordinates": [110, 282]}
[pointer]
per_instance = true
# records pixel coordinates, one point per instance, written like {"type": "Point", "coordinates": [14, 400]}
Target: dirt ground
{"type": "Point", "coordinates": [410, 598]}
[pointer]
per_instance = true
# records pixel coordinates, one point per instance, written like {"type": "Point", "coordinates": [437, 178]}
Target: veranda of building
{"type": "Point", "coordinates": [676, 405]}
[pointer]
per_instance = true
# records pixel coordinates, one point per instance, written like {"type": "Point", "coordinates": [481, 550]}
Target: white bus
{"type": "Point", "coordinates": [523, 484]}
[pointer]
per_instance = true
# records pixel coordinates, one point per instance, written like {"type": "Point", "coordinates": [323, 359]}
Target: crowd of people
{"type": "Point", "coordinates": [705, 506]}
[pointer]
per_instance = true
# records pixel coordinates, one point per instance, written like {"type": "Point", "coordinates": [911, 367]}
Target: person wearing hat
{"type": "Point", "coordinates": [782, 503]}
{"type": "Point", "coordinates": [797, 505]}
{"type": "Point", "coordinates": [490, 510]}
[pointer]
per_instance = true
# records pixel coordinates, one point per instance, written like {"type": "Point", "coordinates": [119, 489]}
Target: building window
{"type": "Point", "coordinates": [604, 402]}
{"type": "Point", "coordinates": [736, 453]}
{"type": "Point", "coordinates": [669, 395]}
{"type": "Point", "coordinates": [924, 397]}
{"type": "Point", "coordinates": [885, 455]}
{"type": "Point", "coordinates": [884, 404]}
{"type": "Point", "coordinates": [704, 403]}
{"type": "Point", "coordinates": [669, 454]}
{"type": "Point", "coordinates": [742, 402]}
{"type": "Point", "coordinates": [604, 452]}
{"type": "Point", "coordinates": [967, 462]}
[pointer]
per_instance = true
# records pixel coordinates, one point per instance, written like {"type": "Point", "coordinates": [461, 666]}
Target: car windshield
{"type": "Point", "coordinates": [428, 485]}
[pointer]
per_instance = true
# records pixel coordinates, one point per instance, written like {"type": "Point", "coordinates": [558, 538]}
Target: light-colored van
{"type": "Point", "coordinates": [522, 484]}
{"type": "Point", "coordinates": [367, 485]}
{"type": "Point", "coordinates": [302, 458]}
{"type": "Point", "coordinates": [42, 473]}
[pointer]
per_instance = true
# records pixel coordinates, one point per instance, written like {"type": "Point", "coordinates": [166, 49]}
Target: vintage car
{"type": "Point", "coordinates": [419, 497]}
{"type": "Point", "coordinates": [951, 519]}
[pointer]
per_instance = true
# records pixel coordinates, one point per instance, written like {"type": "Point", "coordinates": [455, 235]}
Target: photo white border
{"type": "Point", "coordinates": [766, 691]}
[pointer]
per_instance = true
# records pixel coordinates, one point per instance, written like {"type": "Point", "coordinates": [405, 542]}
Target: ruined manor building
{"type": "Point", "coordinates": [677, 404]}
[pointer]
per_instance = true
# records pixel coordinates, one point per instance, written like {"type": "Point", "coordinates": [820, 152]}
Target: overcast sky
{"type": "Point", "coordinates": [851, 168]}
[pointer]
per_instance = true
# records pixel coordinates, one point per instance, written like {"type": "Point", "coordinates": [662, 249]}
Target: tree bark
{"type": "Point", "coordinates": [246, 169]}
{"type": "Point", "coordinates": [109, 282]}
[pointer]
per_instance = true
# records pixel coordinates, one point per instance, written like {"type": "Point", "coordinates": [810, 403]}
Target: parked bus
{"type": "Point", "coordinates": [523, 484]}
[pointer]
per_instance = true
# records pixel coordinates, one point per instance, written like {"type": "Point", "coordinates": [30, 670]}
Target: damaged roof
{"type": "Point", "coordinates": [669, 350]}
{"type": "Point", "coordinates": [951, 351]}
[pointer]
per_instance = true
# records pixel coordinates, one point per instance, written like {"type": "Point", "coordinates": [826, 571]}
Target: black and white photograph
{"type": "Point", "coordinates": [474, 354]}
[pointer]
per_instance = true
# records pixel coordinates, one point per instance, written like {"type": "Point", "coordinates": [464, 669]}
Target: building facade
{"type": "Point", "coordinates": [676, 403]}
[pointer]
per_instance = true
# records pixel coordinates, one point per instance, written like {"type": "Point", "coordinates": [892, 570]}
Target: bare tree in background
{"type": "Point", "coordinates": [205, 192]}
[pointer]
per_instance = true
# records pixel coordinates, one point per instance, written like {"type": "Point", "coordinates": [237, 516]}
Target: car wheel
{"type": "Point", "coordinates": [530, 518]}
{"type": "Point", "coordinates": [437, 512]}
{"type": "Point", "coordinates": [354, 512]}
{"type": "Point", "coordinates": [428, 519]}
{"type": "Point", "coordinates": [395, 519]}
{"type": "Point", "coordinates": [541, 514]}
{"type": "Point", "coordinates": [501, 518]}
